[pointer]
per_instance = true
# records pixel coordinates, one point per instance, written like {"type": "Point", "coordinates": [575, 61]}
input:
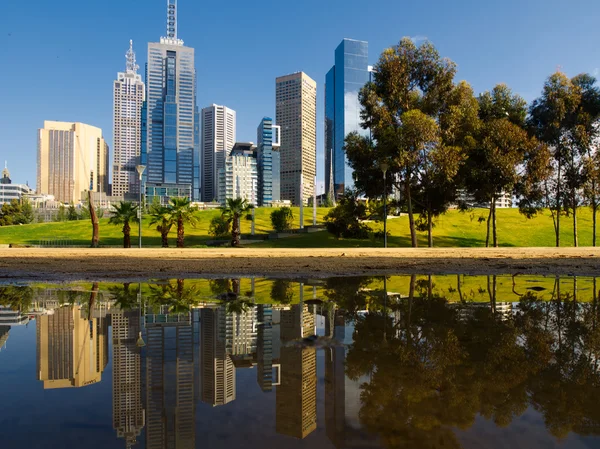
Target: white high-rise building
{"type": "Point", "coordinates": [239, 176]}
{"type": "Point", "coordinates": [128, 96]}
{"type": "Point", "coordinates": [296, 113]}
{"type": "Point", "coordinates": [218, 136]}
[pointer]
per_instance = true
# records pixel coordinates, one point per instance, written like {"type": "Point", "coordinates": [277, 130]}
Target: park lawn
{"type": "Point", "coordinates": [453, 229]}
{"type": "Point", "coordinates": [79, 233]}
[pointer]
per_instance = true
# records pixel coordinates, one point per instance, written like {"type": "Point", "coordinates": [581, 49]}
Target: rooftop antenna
{"type": "Point", "coordinates": [172, 19]}
{"type": "Point", "coordinates": [132, 67]}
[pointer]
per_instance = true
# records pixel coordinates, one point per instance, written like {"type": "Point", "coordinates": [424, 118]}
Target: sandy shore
{"type": "Point", "coordinates": [140, 264]}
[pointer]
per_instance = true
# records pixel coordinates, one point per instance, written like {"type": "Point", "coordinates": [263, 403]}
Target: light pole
{"type": "Point", "coordinates": [140, 169]}
{"type": "Point", "coordinates": [384, 168]}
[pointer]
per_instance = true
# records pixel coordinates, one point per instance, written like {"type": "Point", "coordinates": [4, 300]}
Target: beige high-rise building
{"type": "Point", "coordinates": [296, 113]}
{"type": "Point", "coordinates": [72, 158]}
{"type": "Point", "coordinates": [72, 351]}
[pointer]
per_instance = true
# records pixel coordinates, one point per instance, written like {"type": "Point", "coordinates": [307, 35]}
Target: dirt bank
{"type": "Point", "coordinates": [135, 264]}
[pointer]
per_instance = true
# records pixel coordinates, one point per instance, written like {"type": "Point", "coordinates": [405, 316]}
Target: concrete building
{"type": "Point", "coordinates": [128, 98]}
{"type": "Point", "coordinates": [9, 191]}
{"type": "Point", "coordinates": [239, 176]}
{"type": "Point", "coordinates": [342, 111]}
{"type": "Point", "coordinates": [296, 113]}
{"type": "Point", "coordinates": [218, 136]}
{"type": "Point", "coordinates": [268, 161]}
{"type": "Point", "coordinates": [72, 158]}
{"type": "Point", "coordinates": [72, 348]}
{"type": "Point", "coordinates": [170, 148]}
{"type": "Point", "coordinates": [129, 415]}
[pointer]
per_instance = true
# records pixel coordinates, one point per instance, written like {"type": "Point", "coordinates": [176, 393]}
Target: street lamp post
{"type": "Point", "coordinates": [384, 168]}
{"type": "Point", "coordinates": [140, 169]}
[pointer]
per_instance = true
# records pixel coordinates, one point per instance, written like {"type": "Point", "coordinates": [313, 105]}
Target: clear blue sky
{"type": "Point", "coordinates": [59, 58]}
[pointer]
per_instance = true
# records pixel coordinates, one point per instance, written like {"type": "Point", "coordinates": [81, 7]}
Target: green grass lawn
{"type": "Point", "coordinates": [453, 229]}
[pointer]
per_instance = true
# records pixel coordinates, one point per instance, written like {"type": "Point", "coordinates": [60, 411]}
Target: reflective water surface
{"type": "Point", "coordinates": [396, 362]}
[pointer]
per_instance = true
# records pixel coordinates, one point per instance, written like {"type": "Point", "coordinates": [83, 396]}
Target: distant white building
{"type": "Point", "coordinates": [9, 191]}
{"type": "Point", "coordinates": [239, 177]}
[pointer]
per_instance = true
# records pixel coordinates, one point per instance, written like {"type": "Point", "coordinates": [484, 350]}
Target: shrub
{"type": "Point", "coordinates": [282, 219]}
{"type": "Point", "coordinates": [219, 227]}
{"type": "Point", "coordinates": [344, 219]}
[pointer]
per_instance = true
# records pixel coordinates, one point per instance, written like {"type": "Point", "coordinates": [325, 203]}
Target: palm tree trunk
{"type": "Point", "coordinates": [164, 234]}
{"type": "Point", "coordinates": [180, 232]}
{"type": "Point", "coordinates": [235, 231]}
{"type": "Point", "coordinates": [126, 235]}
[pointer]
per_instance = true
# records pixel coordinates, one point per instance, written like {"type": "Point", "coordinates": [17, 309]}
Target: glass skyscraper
{"type": "Point", "coordinates": [269, 162]}
{"type": "Point", "coordinates": [172, 157]}
{"type": "Point", "coordinates": [342, 111]}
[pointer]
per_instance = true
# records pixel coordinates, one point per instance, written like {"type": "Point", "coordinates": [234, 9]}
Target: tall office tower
{"type": "Point", "coordinates": [296, 114]}
{"type": "Point", "coordinates": [72, 158]}
{"type": "Point", "coordinates": [239, 176]}
{"type": "Point", "coordinates": [171, 160]}
{"type": "Point", "coordinates": [268, 158]}
{"type": "Point", "coordinates": [170, 407]}
{"type": "Point", "coordinates": [342, 111]}
{"type": "Point", "coordinates": [72, 348]}
{"type": "Point", "coordinates": [128, 99]}
{"type": "Point", "coordinates": [128, 412]}
{"type": "Point", "coordinates": [218, 136]}
{"type": "Point", "coordinates": [218, 371]}
{"type": "Point", "coordinates": [296, 401]}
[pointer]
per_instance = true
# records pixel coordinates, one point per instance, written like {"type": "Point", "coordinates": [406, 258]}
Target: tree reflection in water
{"type": "Point", "coordinates": [434, 366]}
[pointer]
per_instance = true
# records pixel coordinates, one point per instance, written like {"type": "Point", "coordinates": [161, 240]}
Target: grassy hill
{"type": "Point", "coordinates": [454, 229]}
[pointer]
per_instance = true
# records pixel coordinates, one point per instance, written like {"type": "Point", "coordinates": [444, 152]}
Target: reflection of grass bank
{"type": "Point", "coordinates": [454, 229]}
{"type": "Point", "coordinates": [267, 291]}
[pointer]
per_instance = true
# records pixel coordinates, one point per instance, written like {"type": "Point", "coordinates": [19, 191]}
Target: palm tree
{"type": "Point", "coordinates": [122, 214]}
{"type": "Point", "coordinates": [236, 207]}
{"type": "Point", "coordinates": [163, 218]}
{"type": "Point", "coordinates": [182, 212]}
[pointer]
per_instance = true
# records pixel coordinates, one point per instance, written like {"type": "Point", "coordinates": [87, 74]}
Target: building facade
{"type": "Point", "coordinates": [296, 114]}
{"type": "Point", "coordinates": [9, 191]}
{"type": "Point", "coordinates": [72, 158]}
{"type": "Point", "coordinates": [268, 161]}
{"type": "Point", "coordinates": [218, 136]}
{"type": "Point", "coordinates": [128, 99]}
{"type": "Point", "coordinates": [239, 177]}
{"type": "Point", "coordinates": [171, 153]}
{"type": "Point", "coordinates": [342, 111]}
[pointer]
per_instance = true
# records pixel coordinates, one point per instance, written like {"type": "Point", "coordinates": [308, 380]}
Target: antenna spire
{"type": "Point", "coordinates": [132, 67]}
{"type": "Point", "coordinates": [172, 19]}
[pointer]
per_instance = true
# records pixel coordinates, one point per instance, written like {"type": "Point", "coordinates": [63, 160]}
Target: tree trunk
{"type": "Point", "coordinates": [235, 232]}
{"type": "Point", "coordinates": [494, 227]}
{"type": "Point", "coordinates": [126, 235]}
{"type": "Point", "coordinates": [164, 234]}
{"type": "Point", "coordinates": [594, 211]}
{"type": "Point", "coordinates": [458, 287]}
{"type": "Point", "coordinates": [411, 217]}
{"type": "Point", "coordinates": [558, 206]}
{"type": "Point", "coordinates": [429, 227]}
{"type": "Point", "coordinates": [180, 285]}
{"type": "Point", "coordinates": [575, 239]}
{"type": "Point", "coordinates": [180, 232]}
{"type": "Point", "coordinates": [94, 218]}
{"type": "Point", "coordinates": [487, 235]}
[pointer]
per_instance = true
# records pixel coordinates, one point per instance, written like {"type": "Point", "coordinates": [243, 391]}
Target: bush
{"type": "Point", "coordinates": [282, 219]}
{"type": "Point", "coordinates": [344, 219]}
{"type": "Point", "coordinates": [219, 227]}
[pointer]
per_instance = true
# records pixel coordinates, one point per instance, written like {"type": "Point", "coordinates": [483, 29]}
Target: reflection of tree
{"type": "Point", "coordinates": [125, 297]}
{"type": "Point", "coordinates": [349, 293]}
{"type": "Point", "coordinates": [441, 365]}
{"type": "Point", "coordinates": [175, 296]}
{"type": "Point", "coordinates": [16, 298]}
{"type": "Point", "coordinates": [282, 291]}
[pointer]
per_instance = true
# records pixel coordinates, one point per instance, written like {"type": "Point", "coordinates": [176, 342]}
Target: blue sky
{"type": "Point", "coordinates": [59, 59]}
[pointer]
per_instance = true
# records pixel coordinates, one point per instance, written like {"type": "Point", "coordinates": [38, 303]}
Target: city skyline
{"type": "Point", "coordinates": [484, 61]}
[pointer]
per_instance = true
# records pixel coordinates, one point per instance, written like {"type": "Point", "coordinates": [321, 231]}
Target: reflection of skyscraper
{"type": "Point", "coordinates": [335, 392]}
{"type": "Point", "coordinates": [264, 372]}
{"type": "Point", "coordinates": [128, 412]}
{"type": "Point", "coordinates": [72, 351]}
{"type": "Point", "coordinates": [218, 372]}
{"type": "Point", "coordinates": [170, 408]}
{"type": "Point", "coordinates": [296, 413]}
{"type": "Point", "coordinates": [4, 330]}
